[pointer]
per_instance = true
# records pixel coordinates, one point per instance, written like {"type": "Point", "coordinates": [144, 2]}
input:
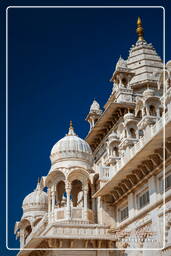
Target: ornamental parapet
{"type": "Point", "coordinates": [129, 153]}
{"type": "Point", "coordinates": [77, 215]}
{"type": "Point", "coordinates": [107, 173]}
{"type": "Point", "coordinates": [104, 173]}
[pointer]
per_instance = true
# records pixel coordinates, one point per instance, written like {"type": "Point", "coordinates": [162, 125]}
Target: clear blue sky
{"type": "Point", "coordinates": [59, 61]}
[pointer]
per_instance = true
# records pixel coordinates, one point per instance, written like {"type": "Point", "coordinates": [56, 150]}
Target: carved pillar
{"type": "Point", "coordinates": [158, 112]}
{"type": "Point", "coordinates": [68, 207]}
{"type": "Point", "coordinates": [85, 202]}
{"type": "Point", "coordinates": [21, 238]}
{"type": "Point", "coordinates": [53, 197]}
{"type": "Point", "coordinates": [93, 201]}
{"type": "Point", "coordinates": [131, 206]}
{"type": "Point", "coordinates": [152, 189]}
{"type": "Point", "coordinates": [49, 200]}
{"type": "Point", "coordinates": [86, 244]}
{"type": "Point", "coordinates": [147, 110]}
{"type": "Point", "coordinates": [72, 244]}
{"type": "Point", "coordinates": [99, 243]}
{"type": "Point", "coordinates": [60, 243]}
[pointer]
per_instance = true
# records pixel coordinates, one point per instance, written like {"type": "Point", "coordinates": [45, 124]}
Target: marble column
{"type": "Point", "coordinates": [131, 205]}
{"type": "Point", "coordinates": [85, 202]}
{"type": "Point", "coordinates": [49, 200]}
{"type": "Point", "coordinates": [68, 206]}
{"type": "Point", "coordinates": [53, 197]}
{"type": "Point", "coordinates": [152, 189]}
{"type": "Point", "coordinates": [22, 238]}
{"type": "Point", "coordinates": [93, 201]}
{"type": "Point", "coordinates": [155, 228]}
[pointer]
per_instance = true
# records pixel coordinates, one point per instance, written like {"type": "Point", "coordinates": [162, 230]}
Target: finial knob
{"type": "Point", "coordinates": [71, 130]}
{"type": "Point", "coordinates": [140, 30]}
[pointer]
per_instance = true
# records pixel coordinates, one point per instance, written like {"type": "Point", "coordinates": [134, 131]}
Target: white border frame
{"type": "Point", "coordinates": [164, 90]}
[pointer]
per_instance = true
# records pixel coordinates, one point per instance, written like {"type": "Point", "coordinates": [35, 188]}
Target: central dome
{"type": "Point", "coordinates": [71, 147]}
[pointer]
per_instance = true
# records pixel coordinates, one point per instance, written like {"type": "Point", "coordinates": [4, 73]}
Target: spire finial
{"type": "Point", "coordinates": [71, 130]}
{"type": "Point", "coordinates": [140, 30]}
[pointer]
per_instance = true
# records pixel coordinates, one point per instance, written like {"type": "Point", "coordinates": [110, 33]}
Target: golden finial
{"type": "Point", "coordinates": [71, 130]}
{"type": "Point", "coordinates": [70, 124]}
{"type": "Point", "coordinates": [140, 30]}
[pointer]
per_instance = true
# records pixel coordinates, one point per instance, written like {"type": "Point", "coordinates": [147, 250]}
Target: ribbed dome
{"type": "Point", "coordinates": [71, 146]}
{"type": "Point", "coordinates": [35, 201]}
{"type": "Point", "coordinates": [148, 93]}
{"type": "Point", "coordinates": [129, 116]}
{"type": "Point", "coordinates": [113, 136]}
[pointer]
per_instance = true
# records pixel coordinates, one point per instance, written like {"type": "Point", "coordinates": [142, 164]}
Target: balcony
{"type": "Point", "coordinates": [153, 137]}
{"type": "Point", "coordinates": [77, 215]}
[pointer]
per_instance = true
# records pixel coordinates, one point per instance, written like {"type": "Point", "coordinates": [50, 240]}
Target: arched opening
{"type": "Point", "coordinates": [95, 120]}
{"type": "Point", "coordinates": [161, 112]}
{"type": "Point", "coordinates": [152, 110]}
{"type": "Point", "coordinates": [89, 197]}
{"type": "Point", "coordinates": [77, 193]}
{"type": "Point", "coordinates": [60, 194]}
{"type": "Point", "coordinates": [124, 82]}
{"type": "Point", "coordinates": [116, 80]}
{"type": "Point", "coordinates": [139, 114]}
{"type": "Point", "coordinates": [115, 151]}
{"type": "Point", "coordinates": [132, 133]}
{"type": "Point", "coordinates": [26, 228]}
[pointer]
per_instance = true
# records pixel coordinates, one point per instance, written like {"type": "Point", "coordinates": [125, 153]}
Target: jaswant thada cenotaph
{"type": "Point", "coordinates": [108, 191]}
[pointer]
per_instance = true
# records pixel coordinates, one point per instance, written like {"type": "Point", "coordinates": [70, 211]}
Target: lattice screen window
{"type": "Point", "coordinates": [123, 213]}
{"type": "Point", "coordinates": [143, 199]}
{"type": "Point", "coordinates": [167, 183]}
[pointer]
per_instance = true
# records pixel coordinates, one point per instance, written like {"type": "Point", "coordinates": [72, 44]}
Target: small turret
{"type": "Point", "coordinates": [122, 74]}
{"type": "Point", "coordinates": [94, 113]}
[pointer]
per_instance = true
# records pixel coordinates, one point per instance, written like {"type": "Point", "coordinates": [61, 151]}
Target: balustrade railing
{"type": "Point", "coordinates": [103, 173]}
{"type": "Point", "coordinates": [106, 173]}
{"type": "Point", "coordinates": [77, 213]}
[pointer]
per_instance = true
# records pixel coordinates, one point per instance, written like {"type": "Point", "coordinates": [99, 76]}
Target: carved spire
{"type": "Point", "coordinates": [140, 30]}
{"type": "Point", "coordinates": [71, 130]}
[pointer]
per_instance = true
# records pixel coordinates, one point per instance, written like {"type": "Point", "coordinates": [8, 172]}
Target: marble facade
{"type": "Point", "coordinates": [113, 189]}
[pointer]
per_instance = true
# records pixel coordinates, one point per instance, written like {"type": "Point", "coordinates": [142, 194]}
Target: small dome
{"type": "Point", "coordinates": [148, 93]}
{"type": "Point", "coordinates": [168, 65]}
{"type": "Point", "coordinates": [129, 116]}
{"type": "Point", "coordinates": [95, 107]}
{"type": "Point", "coordinates": [113, 136]}
{"type": "Point", "coordinates": [36, 201]}
{"type": "Point", "coordinates": [71, 146]}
